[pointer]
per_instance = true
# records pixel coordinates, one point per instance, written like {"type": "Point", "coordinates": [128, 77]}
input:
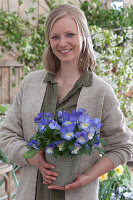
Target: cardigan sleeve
{"type": "Point", "coordinates": [115, 131]}
{"type": "Point", "coordinates": [11, 132]}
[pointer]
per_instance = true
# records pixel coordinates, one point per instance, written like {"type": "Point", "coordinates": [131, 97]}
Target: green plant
{"type": "Point", "coordinates": [24, 41]}
{"type": "Point", "coordinates": [112, 35]}
{"type": "Point", "coordinates": [115, 65]}
{"type": "Point", "coordinates": [107, 18]}
{"type": "Point", "coordinates": [69, 134]}
{"type": "Point", "coordinates": [115, 184]}
{"type": "Point", "coordinates": [2, 109]}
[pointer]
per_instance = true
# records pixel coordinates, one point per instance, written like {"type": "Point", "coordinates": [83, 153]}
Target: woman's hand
{"type": "Point", "coordinates": [101, 167]}
{"type": "Point", "coordinates": [82, 179]}
{"type": "Point", "coordinates": [39, 162]}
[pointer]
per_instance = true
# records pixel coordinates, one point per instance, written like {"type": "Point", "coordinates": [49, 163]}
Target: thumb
{"type": "Point", "coordinates": [72, 185]}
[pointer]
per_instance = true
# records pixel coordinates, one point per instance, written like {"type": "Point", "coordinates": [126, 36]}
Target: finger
{"type": "Point", "coordinates": [74, 185]}
{"type": "Point", "coordinates": [47, 165]}
{"type": "Point", "coordinates": [51, 178]}
{"type": "Point", "coordinates": [56, 187]}
{"type": "Point", "coordinates": [46, 181]}
{"type": "Point", "coordinates": [49, 173]}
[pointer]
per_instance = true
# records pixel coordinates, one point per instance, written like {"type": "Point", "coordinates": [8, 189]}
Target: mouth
{"type": "Point", "coordinates": [65, 51]}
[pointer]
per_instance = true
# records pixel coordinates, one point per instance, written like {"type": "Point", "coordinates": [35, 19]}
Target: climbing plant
{"type": "Point", "coordinates": [112, 36]}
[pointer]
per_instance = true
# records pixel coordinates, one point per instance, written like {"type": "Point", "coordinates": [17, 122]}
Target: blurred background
{"type": "Point", "coordinates": [22, 43]}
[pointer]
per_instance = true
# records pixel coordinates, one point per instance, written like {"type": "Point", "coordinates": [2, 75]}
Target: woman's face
{"type": "Point", "coordinates": [66, 40]}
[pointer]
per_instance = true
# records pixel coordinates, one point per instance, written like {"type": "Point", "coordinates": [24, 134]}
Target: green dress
{"type": "Point", "coordinates": [68, 103]}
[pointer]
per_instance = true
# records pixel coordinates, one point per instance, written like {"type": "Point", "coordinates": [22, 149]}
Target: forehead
{"type": "Point", "coordinates": [64, 24]}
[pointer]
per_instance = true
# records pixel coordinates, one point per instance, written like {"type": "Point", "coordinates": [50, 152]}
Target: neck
{"type": "Point", "coordinates": [67, 72]}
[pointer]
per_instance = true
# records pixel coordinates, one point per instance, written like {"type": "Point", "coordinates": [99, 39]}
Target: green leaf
{"type": "Point", "coordinates": [88, 152]}
{"type": "Point", "coordinates": [3, 109]}
{"type": "Point", "coordinates": [72, 147]}
{"type": "Point", "coordinates": [103, 142]}
{"type": "Point", "coordinates": [126, 182]}
{"type": "Point", "coordinates": [66, 153]}
{"type": "Point", "coordinates": [100, 150]}
{"type": "Point", "coordinates": [30, 153]}
{"type": "Point", "coordinates": [14, 71]}
{"type": "Point", "coordinates": [13, 84]}
{"type": "Point", "coordinates": [20, 2]}
{"type": "Point", "coordinates": [57, 132]}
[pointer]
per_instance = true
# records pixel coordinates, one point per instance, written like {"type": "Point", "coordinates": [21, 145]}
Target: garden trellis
{"type": "Point", "coordinates": [10, 77]}
{"type": "Point", "coordinates": [23, 38]}
{"type": "Point", "coordinates": [11, 70]}
{"type": "Point", "coordinates": [15, 37]}
{"type": "Point", "coordinates": [113, 47]}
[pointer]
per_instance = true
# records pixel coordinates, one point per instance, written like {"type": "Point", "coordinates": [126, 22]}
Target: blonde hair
{"type": "Point", "coordinates": [87, 56]}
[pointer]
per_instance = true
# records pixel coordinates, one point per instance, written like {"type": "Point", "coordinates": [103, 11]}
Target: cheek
{"type": "Point", "coordinates": [53, 45]}
{"type": "Point", "coordinates": [78, 44]}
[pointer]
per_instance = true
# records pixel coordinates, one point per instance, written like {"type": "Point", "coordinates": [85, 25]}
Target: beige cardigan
{"type": "Point", "coordinates": [99, 101]}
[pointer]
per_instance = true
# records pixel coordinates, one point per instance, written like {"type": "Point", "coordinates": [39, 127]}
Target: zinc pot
{"type": "Point", "coordinates": [66, 167]}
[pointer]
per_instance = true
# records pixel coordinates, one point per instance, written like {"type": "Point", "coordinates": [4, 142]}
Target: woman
{"type": "Point", "coordinates": [64, 85]}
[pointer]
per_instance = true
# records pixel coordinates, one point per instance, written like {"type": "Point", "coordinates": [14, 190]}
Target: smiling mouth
{"type": "Point", "coordinates": [65, 50]}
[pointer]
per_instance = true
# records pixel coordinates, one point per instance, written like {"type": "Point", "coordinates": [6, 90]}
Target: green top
{"type": "Point", "coordinates": [68, 103]}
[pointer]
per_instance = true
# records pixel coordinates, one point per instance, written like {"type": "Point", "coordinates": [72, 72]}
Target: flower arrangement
{"type": "Point", "coordinates": [69, 134]}
{"type": "Point", "coordinates": [116, 184]}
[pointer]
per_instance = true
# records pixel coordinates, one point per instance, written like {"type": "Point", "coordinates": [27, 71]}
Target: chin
{"type": "Point", "coordinates": [68, 60]}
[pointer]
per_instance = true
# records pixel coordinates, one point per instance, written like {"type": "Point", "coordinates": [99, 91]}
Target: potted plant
{"type": "Point", "coordinates": [64, 140]}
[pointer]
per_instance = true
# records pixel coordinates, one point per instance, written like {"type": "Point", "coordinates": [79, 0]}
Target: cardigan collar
{"type": "Point", "coordinates": [85, 79]}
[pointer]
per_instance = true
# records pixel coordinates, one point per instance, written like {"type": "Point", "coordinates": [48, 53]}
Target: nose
{"type": "Point", "coordinates": [62, 42]}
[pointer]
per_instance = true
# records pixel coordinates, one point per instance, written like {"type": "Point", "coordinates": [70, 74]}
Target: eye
{"type": "Point", "coordinates": [70, 34]}
{"type": "Point", "coordinates": [55, 37]}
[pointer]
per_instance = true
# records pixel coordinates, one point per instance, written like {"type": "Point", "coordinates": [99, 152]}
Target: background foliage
{"type": "Point", "coordinates": [107, 18]}
{"type": "Point", "coordinates": [112, 36]}
{"type": "Point", "coordinates": [115, 185]}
